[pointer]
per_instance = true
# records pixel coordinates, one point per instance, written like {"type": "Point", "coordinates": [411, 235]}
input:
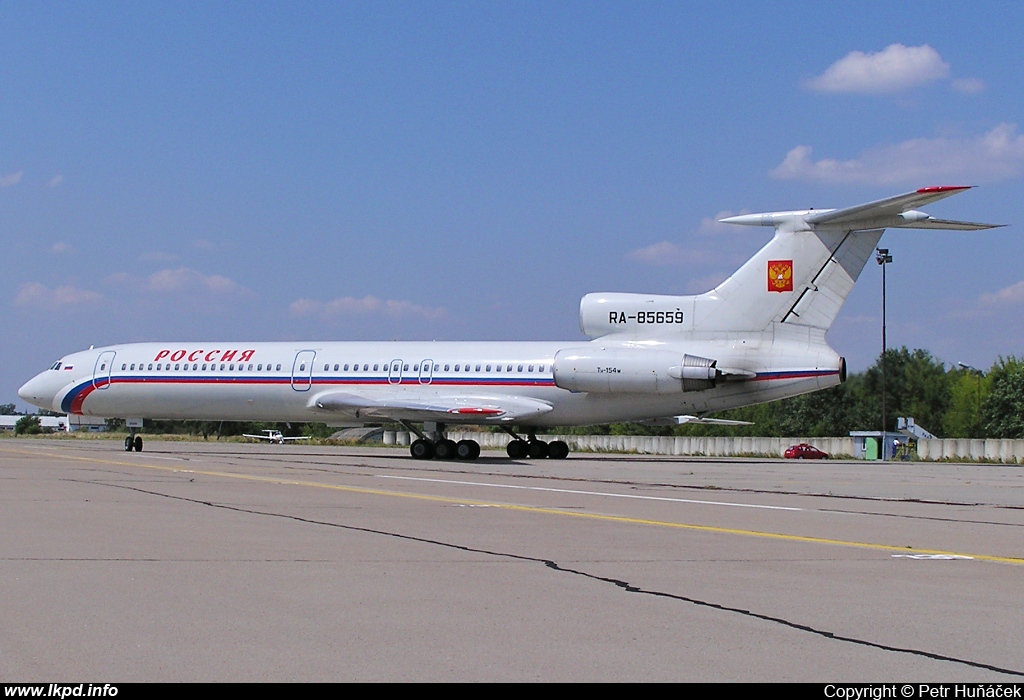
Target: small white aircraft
{"type": "Point", "coordinates": [758, 336]}
{"type": "Point", "coordinates": [274, 436]}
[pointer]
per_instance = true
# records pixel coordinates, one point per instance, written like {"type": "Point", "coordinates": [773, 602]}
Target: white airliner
{"type": "Point", "coordinates": [272, 436]}
{"type": "Point", "coordinates": [756, 337]}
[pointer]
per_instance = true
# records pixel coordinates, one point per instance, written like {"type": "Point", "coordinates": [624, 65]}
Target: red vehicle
{"type": "Point", "coordinates": [805, 451]}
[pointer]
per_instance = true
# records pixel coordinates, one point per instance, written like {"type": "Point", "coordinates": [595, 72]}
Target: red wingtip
{"type": "Point", "coordinates": [943, 188]}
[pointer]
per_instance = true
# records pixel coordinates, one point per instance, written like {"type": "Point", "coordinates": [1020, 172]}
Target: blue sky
{"type": "Point", "coordinates": [345, 171]}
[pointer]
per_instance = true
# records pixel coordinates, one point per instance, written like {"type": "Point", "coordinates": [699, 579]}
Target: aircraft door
{"type": "Point", "coordinates": [302, 370]}
{"type": "Point", "coordinates": [101, 370]}
{"type": "Point", "coordinates": [395, 372]}
{"type": "Point", "coordinates": [426, 371]}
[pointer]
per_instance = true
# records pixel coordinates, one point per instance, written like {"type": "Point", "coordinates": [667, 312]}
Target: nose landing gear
{"type": "Point", "coordinates": [133, 442]}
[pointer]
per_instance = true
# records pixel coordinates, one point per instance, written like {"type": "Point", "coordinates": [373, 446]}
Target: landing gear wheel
{"type": "Point", "coordinates": [422, 449]}
{"type": "Point", "coordinates": [467, 449]}
{"type": "Point", "coordinates": [558, 450]}
{"type": "Point", "coordinates": [517, 449]}
{"type": "Point", "coordinates": [138, 444]}
{"type": "Point", "coordinates": [129, 443]}
{"type": "Point", "coordinates": [538, 449]}
{"type": "Point", "coordinates": [445, 449]}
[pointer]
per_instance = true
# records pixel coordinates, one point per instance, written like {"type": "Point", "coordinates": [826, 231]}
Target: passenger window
{"type": "Point", "coordinates": [488, 368]}
{"type": "Point", "coordinates": [150, 365]}
{"type": "Point", "coordinates": [456, 368]}
{"type": "Point", "coordinates": [530, 368]}
{"type": "Point", "coordinates": [302, 367]}
{"type": "Point", "coordinates": [375, 367]}
{"type": "Point", "coordinates": [415, 368]}
{"type": "Point", "coordinates": [103, 366]}
{"type": "Point", "coordinates": [446, 368]}
{"type": "Point", "coordinates": [279, 368]}
{"type": "Point", "coordinates": [509, 368]}
{"type": "Point", "coordinates": [478, 368]}
{"type": "Point", "coordinates": [520, 368]}
{"type": "Point", "coordinates": [437, 368]}
{"type": "Point", "coordinates": [366, 368]}
{"type": "Point", "coordinates": [175, 368]}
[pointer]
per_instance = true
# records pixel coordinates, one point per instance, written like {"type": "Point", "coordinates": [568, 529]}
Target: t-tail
{"type": "Point", "coordinates": [797, 282]}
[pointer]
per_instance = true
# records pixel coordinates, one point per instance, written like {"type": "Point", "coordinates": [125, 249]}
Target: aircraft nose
{"type": "Point", "coordinates": [36, 392]}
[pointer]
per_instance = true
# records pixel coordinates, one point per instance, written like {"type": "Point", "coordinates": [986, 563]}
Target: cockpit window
{"type": "Point", "coordinates": [56, 365]}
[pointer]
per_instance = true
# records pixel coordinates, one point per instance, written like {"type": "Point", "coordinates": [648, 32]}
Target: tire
{"type": "Point", "coordinates": [558, 450]}
{"type": "Point", "coordinates": [444, 449]}
{"type": "Point", "coordinates": [467, 449]}
{"type": "Point", "coordinates": [128, 444]}
{"type": "Point", "coordinates": [422, 449]}
{"type": "Point", "coordinates": [138, 443]}
{"type": "Point", "coordinates": [538, 449]}
{"type": "Point", "coordinates": [517, 449]}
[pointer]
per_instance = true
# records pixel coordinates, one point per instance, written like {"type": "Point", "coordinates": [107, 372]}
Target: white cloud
{"type": "Point", "coordinates": [345, 306]}
{"type": "Point", "coordinates": [996, 155]}
{"type": "Point", "coordinates": [60, 248]}
{"type": "Point", "coordinates": [896, 67]}
{"type": "Point", "coordinates": [1014, 294]}
{"type": "Point", "coordinates": [969, 86]}
{"type": "Point", "coordinates": [181, 281]}
{"type": "Point", "coordinates": [39, 296]}
{"type": "Point", "coordinates": [666, 253]}
{"type": "Point", "coordinates": [9, 180]}
{"type": "Point", "coordinates": [187, 279]}
{"type": "Point", "coordinates": [54, 181]}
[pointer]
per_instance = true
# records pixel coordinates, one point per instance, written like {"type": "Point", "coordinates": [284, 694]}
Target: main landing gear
{"type": "Point", "coordinates": [432, 444]}
{"type": "Point", "coordinates": [533, 448]}
{"type": "Point", "coordinates": [133, 442]}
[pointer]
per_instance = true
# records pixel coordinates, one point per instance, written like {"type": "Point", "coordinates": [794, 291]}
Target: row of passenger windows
{"type": "Point", "coordinates": [395, 369]}
{"type": "Point", "coordinates": [196, 367]}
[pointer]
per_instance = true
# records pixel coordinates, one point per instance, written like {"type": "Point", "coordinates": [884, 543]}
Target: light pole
{"type": "Point", "coordinates": [882, 257]}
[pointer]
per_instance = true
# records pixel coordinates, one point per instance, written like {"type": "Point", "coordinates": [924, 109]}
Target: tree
{"type": "Point", "coordinates": [967, 392]}
{"type": "Point", "coordinates": [27, 425]}
{"type": "Point", "coordinates": [916, 384]}
{"type": "Point", "coordinates": [1002, 410]}
{"type": "Point", "coordinates": [8, 409]}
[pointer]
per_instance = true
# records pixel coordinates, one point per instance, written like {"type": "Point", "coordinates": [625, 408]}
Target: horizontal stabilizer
{"type": "Point", "coordinates": [892, 212]}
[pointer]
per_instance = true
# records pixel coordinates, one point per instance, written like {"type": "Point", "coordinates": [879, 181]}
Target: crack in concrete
{"type": "Point", "coordinates": [624, 585]}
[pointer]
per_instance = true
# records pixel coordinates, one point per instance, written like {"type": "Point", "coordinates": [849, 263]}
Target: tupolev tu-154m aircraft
{"type": "Point", "coordinates": [756, 337]}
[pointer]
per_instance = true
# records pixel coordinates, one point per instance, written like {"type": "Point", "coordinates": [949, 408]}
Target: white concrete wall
{"type": "Point", "coordinates": [1007, 451]}
{"type": "Point", "coordinates": [707, 446]}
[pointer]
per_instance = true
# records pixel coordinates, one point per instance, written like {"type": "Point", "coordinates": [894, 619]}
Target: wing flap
{"type": "Point", "coordinates": [453, 409]}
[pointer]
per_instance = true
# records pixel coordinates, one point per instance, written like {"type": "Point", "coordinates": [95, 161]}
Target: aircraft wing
{"type": "Point", "coordinates": [258, 437]}
{"type": "Point", "coordinates": [303, 437]}
{"type": "Point", "coordinates": [897, 212]}
{"type": "Point", "coordinates": [453, 409]}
